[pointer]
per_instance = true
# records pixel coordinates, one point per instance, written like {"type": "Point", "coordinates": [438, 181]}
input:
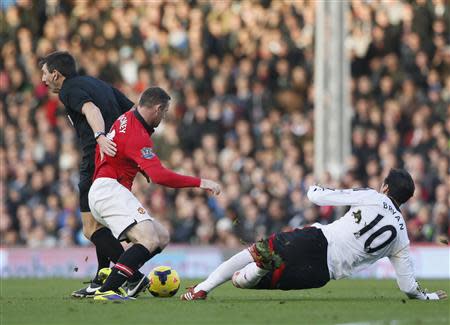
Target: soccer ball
{"type": "Point", "coordinates": [164, 281]}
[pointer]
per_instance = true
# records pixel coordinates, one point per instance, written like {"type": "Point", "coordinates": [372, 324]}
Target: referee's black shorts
{"type": "Point", "coordinates": [87, 168]}
{"type": "Point", "coordinates": [304, 252]}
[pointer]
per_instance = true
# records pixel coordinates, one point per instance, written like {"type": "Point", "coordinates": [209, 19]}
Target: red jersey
{"type": "Point", "coordinates": [132, 136]}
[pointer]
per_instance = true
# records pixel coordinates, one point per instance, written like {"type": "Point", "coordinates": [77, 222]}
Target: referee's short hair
{"type": "Point", "coordinates": [401, 185]}
{"type": "Point", "coordinates": [154, 96]}
{"type": "Point", "coordinates": [61, 61]}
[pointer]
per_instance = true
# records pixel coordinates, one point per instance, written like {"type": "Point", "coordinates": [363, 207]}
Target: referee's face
{"type": "Point", "coordinates": [50, 79]}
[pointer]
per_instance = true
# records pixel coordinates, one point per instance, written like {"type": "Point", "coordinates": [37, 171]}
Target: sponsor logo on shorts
{"type": "Point", "coordinates": [141, 210]}
{"type": "Point", "coordinates": [147, 153]}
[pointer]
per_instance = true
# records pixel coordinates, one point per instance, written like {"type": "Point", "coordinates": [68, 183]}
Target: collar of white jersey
{"type": "Point", "coordinates": [395, 203]}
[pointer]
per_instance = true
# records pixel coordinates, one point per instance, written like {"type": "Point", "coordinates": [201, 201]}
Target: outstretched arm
{"type": "Point", "coordinates": [143, 155]}
{"type": "Point", "coordinates": [405, 278]}
{"type": "Point", "coordinates": [330, 197]}
{"type": "Point", "coordinates": [164, 176]}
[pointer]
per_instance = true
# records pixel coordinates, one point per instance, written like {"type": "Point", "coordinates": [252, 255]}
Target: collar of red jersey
{"type": "Point", "coordinates": [149, 129]}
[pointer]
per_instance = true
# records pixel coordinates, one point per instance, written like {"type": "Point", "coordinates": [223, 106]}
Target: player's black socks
{"type": "Point", "coordinates": [136, 276]}
{"type": "Point", "coordinates": [128, 264]}
{"type": "Point", "coordinates": [108, 248]}
{"type": "Point", "coordinates": [140, 255]}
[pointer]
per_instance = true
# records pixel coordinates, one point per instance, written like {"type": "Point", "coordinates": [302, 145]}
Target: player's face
{"type": "Point", "coordinates": [384, 188]}
{"type": "Point", "coordinates": [161, 113]}
{"type": "Point", "coordinates": [50, 79]}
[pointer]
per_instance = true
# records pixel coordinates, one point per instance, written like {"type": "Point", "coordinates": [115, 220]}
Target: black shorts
{"type": "Point", "coordinates": [304, 252]}
{"type": "Point", "coordinates": [87, 168]}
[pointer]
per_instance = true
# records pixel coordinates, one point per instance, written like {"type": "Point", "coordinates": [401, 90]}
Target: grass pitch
{"type": "Point", "coordinates": [47, 302]}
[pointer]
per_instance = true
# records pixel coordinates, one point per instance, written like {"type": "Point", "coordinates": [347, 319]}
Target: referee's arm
{"type": "Point", "coordinates": [95, 119]}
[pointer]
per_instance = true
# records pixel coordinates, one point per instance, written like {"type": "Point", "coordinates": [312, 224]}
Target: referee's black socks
{"type": "Point", "coordinates": [108, 249]}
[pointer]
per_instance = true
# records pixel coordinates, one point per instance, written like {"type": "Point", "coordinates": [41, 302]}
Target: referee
{"type": "Point", "coordinates": [92, 107]}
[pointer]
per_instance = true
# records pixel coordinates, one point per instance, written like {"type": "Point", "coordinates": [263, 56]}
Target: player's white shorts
{"type": "Point", "coordinates": [114, 206]}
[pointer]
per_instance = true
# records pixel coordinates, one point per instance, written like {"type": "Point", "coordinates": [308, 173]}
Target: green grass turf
{"type": "Point", "coordinates": [34, 301]}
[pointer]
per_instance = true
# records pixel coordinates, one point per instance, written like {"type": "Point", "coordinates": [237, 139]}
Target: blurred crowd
{"type": "Point", "coordinates": [240, 75]}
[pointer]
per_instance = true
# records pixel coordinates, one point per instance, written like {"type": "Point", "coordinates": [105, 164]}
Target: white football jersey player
{"type": "Point", "coordinates": [373, 228]}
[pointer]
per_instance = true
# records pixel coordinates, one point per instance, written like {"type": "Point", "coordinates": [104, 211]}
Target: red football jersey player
{"type": "Point", "coordinates": [110, 198]}
{"type": "Point", "coordinates": [132, 136]}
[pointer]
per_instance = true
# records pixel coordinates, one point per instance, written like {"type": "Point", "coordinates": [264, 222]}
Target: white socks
{"type": "Point", "coordinates": [249, 276]}
{"type": "Point", "coordinates": [225, 271]}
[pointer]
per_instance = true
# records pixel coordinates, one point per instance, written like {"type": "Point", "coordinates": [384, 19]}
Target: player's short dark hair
{"type": "Point", "coordinates": [401, 185]}
{"type": "Point", "coordinates": [154, 96]}
{"type": "Point", "coordinates": [61, 61]}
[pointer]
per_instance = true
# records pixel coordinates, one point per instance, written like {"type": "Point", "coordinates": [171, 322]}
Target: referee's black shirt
{"type": "Point", "coordinates": [78, 90]}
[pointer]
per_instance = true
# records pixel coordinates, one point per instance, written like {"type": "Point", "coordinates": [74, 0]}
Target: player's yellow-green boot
{"type": "Point", "coordinates": [110, 295]}
{"type": "Point", "coordinates": [103, 274]}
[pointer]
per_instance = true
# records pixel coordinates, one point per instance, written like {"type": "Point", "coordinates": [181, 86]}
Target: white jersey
{"type": "Point", "coordinates": [373, 228]}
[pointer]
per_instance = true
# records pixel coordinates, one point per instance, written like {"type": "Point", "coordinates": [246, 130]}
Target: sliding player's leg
{"type": "Point", "coordinates": [260, 253]}
{"type": "Point", "coordinates": [304, 262]}
{"type": "Point", "coordinates": [288, 260]}
{"type": "Point", "coordinates": [249, 277]}
{"type": "Point", "coordinates": [304, 256]}
{"type": "Point", "coordinates": [221, 274]}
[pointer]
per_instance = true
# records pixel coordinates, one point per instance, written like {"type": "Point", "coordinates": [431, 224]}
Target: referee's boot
{"type": "Point", "coordinates": [87, 292]}
{"type": "Point", "coordinates": [94, 285]}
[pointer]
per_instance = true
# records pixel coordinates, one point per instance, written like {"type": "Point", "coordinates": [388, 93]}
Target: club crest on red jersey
{"type": "Point", "coordinates": [147, 153]}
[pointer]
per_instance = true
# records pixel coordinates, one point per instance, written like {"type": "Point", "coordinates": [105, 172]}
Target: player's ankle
{"type": "Point", "coordinates": [198, 289]}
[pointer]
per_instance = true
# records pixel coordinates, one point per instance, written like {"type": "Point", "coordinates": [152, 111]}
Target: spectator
{"type": "Point", "coordinates": [240, 74]}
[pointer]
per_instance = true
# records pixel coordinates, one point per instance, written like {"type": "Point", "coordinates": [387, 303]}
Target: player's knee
{"type": "Point", "coordinates": [88, 231]}
{"type": "Point", "coordinates": [243, 280]}
{"type": "Point", "coordinates": [164, 238]}
{"type": "Point", "coordinates": [90, 225]}
{"type": "Point", "coordinates": [149, 235]}
{"type": "Point", "coordinates": [237, 278]}
{"type": "Point", "coordinates": [150, 243]}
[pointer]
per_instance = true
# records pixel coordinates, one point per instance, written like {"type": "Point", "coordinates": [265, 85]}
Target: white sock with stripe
{"type": "Point", "coordinates": [225, 271]}
{"type": "Point", "coordinates": [249, 276]}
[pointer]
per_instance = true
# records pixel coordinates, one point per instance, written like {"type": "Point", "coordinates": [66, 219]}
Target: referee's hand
{"type": "Point", "coordinates": [107, 147]}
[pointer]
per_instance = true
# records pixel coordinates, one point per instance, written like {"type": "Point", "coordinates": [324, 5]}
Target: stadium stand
{"type": "Point", "coordinates": [240, 74]}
